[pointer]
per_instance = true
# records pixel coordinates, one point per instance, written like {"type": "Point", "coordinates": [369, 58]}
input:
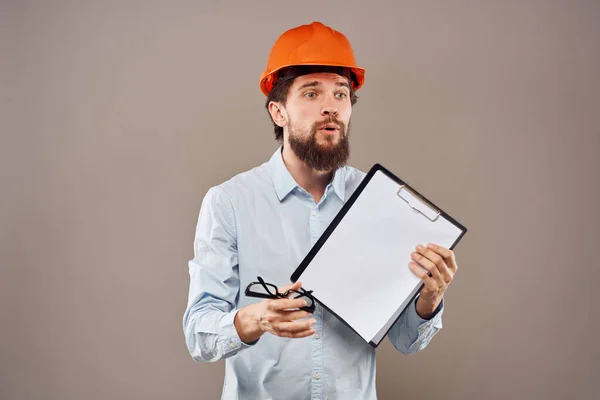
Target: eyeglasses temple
{"type": "Point", "coordinates": [264, 285]}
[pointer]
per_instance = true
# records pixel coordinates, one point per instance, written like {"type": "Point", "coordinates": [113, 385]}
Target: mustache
{"type": "Point", "coordinates": [329, 120]}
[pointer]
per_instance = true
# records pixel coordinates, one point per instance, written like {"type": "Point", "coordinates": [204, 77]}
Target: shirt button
{"type": "Point", "coordinates": [233, 345]}
{"type": "Point", "coordinates": [317, 376]}
{"type": "Point", "coordinates": [317, 336]}
{"type": "Point", "coordinates": [314, 213]}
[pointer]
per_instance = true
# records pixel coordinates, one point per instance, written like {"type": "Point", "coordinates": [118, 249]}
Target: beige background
{"type": "Point", "coordinates": [116, 117]}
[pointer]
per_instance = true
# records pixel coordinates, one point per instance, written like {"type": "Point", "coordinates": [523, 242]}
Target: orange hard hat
{"type": "Point", "coordinates": [313, 44]}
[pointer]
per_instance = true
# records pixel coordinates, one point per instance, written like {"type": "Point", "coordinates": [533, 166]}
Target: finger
{"type": "Point", "coordinates": [296, 335]}
{"type": "Point", "coordinates": [430, 255]}
{"type": "Point", "coordinates": [285, 304]}
{"type": "Point", "coordinates": [430, 284]}
{"type": "Point", "coordinates": [272, 319]}
{"type": "Point", "coordinates": [294, 315]}
{"type": "Point", "coordinates": [435, 257]}
{"type": "Point", "coordinates": [447, 275]}
{"type": "Point", "coordinates": [446, 254]}
{"type": "Point", "coordinates": [306, 333]}
{"type": "Point", "coordinates": [446, 272]}
{"type": "Point", "coordinates": [429, 265]}
{"type": "Point", "coordinates": [293, 327]}
{"type": "Point", "coordinates": [294, 286]}
{"type": "Point", "coordinates": [422, 274]}
{"type": "Point", "coordinates": [287, 316]}
{"type": "Point", "coordinates": [272, 325]}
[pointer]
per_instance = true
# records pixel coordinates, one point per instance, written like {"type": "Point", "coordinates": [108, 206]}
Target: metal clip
{"type": "Point", "coordinates": [431, 212]}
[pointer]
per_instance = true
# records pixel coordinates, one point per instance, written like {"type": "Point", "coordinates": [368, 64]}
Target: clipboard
{"type": "Point", "coordinates": [358, 268]}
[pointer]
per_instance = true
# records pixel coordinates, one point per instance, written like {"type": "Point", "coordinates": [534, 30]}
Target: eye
{"type": "Point", "coordinates": [310, 95]}
{"type": "Point", "coordinates": [341, 95]}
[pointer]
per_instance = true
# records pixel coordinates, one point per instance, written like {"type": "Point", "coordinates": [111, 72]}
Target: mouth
{"type": "Point", "coordinates": [329, 129]}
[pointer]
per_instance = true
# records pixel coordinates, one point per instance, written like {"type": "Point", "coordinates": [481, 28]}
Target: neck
{"type": "Point", "coordinates": [311, 180]}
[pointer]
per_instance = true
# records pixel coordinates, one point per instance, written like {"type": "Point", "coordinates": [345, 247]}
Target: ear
{"type": "Point", "coordinates": [278, 113]}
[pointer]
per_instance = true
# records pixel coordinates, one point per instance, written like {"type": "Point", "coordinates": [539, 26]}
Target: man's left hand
{"type": "Point", "coordinates": [441, 264]}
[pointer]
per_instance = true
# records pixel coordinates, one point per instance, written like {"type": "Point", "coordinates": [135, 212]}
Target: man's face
{"type": "Point", "coordinates": [319, 109]}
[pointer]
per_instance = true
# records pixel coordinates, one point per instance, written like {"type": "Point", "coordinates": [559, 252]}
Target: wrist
{"type": "Point", "coordinates": [246, 324]}
{"type": "Point", "coordinates": [426, 307]}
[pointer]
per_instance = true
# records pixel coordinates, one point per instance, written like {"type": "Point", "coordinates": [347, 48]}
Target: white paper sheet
{"type": "Point", "coordinates": [361, 273]}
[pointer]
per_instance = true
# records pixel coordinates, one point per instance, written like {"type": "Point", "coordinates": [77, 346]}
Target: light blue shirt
{"type": "Point", "coordinates": [261, 223]}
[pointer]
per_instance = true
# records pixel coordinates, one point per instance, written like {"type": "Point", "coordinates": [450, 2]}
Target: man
{"type": "Point", "coordinates": [264, 221]}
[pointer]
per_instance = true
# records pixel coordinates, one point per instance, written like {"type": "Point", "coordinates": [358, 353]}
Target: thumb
{"type": "Point", "coordinates": [294, 286]}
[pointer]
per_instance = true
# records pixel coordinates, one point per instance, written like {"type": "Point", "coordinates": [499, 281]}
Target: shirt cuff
{"type": "Point", "coordinates": [414, 321]}
{"type": "Point", "coordinates": [231, 342]}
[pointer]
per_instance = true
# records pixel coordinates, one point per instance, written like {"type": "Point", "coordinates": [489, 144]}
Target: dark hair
{"type": "Point", "coordinates": [285, 78]}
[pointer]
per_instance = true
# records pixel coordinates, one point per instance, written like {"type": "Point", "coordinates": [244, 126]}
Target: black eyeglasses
{"type": "Point", "coordinates": [264, 290]}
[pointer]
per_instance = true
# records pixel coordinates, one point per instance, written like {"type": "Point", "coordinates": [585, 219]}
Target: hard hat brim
{"type": "Point", "coordinates": [267, 80]}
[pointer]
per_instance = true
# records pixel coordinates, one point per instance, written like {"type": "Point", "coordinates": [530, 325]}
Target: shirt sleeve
{"type": "Point", "coordinates": [214, 289]}
{"type": "Point", "coordinates": [412, 333]}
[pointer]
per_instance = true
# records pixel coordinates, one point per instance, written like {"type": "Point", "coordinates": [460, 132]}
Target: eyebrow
{"type": "Point", "coordinates": [344, 84]}
{"type": "Point", "coordinates": [317, 83]}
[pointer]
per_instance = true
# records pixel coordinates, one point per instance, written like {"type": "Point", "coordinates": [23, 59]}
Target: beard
{"type": "Point", "coordinates": [328, 156]}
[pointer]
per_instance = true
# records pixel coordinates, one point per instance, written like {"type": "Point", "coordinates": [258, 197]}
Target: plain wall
{"type": "Point", "coordinates": [117, 116]}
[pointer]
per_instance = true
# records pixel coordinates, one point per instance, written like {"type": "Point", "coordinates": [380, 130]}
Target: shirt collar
{"type": "Point", "coordinates": [284, 183]}
{"type": "Point", "coordinates": [282, 179]}
{"type": "Point", "coordinates": [339, 183]}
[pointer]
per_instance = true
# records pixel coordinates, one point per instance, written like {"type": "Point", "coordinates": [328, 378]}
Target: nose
{"type": "Point", "coordinates": [329, 108]}
{"type": "Point", "coordinates": [329, 111]}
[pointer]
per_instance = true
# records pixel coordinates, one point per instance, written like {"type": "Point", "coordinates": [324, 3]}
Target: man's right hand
{"type": "Point", "coordinates": [279, 317]}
